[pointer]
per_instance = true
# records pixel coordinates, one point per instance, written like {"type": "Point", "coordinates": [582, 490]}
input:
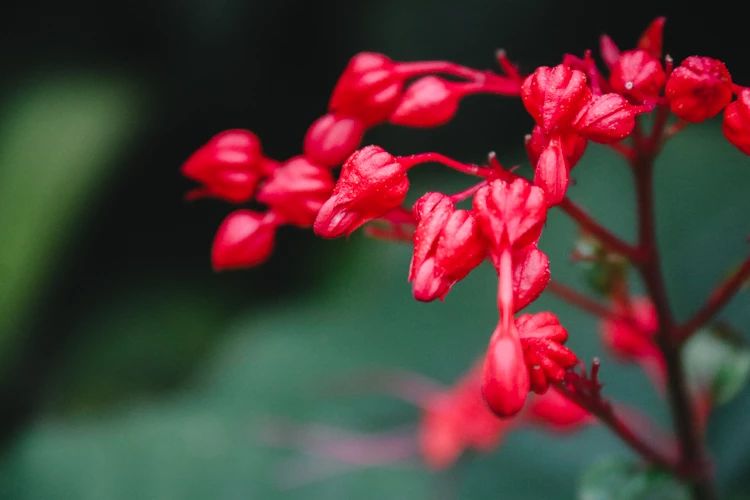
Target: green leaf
{"type": "Point", "coordinates": [717, 360]}
{"type": "Point", "coordinates": [622, 479]}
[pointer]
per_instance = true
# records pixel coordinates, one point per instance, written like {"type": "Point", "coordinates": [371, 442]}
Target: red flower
{"type": "Point", "coordinates": [372, 182]}
{"type": "Point", "coordinates": [428, 102]}
{"type": "Point", "coordinates": [296, 191]}
{"type": "Point", "coordinates": [573, 145]}
{"type": "Point", "coordinates": [447, 246]}
{"type": "Point", "coordinates": [637, 74]}
{"type": "Point", "coordinates": [553, 96]}
{"type": "Point", "coordinates": [557, 412]}
{"type": "Point", "coordinates": [505, 378]}
{"type": "Point", "coordinates": [737, 122]}
{"type": "Point", "coordinates": [552, 172]}
{"type": "Point", "coordinates": [530, 276]}
{"type": "Point", "coordinates": [332, 138]}
{"type": "Point", "coordinates": [699, 88]}
{"type": "Point", "coordinates": [229, 166]}
{"type": "Point", "coordinates": [542, 337]}
{"type": "Point", "coordinates": [368, 89]}
{"type": "Point", "coordinates": [652, 38]}
{"type": "Point", "coordinates": [244, 239]}
{"type": "Point", "coordinates": [607, 118]}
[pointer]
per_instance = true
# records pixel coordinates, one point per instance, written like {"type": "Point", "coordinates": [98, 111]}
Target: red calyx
{"type": "Point", "coordinates": [447, 246]}
{"type": "Point", "coordinates": [296, 191]}
{"type": "Point", "coordinates": [428, 102]}
{"type": "Point", "coordinates": [736, 124]}
{"type": "Point", "coordinates": [552, 172]}
{"type": "Point", "coordinates": [369, 88]}
{"type": "Point", "coordinates": [699, 88]}
{"type": "Point", "coordinates": [607, 118]}
{"type": "Point", "coordinates": [573, 145]}
{"type": "Point", "coordinates": [530, 276]}
{"type": "Point", "coordinates": [372, 182]}
{"type": "Point", "coordinates": [244, 239]}
{"type": "Point", "coordinates": [542, 337]}
{"type": "Point", "coordinates": [553, 410]}
{"type": "Point", "coordinates": [332, 138]}
{"type": "Point", "coordinates": [638, 75]}
{"type": "Point", "coordinates": [652, 38]}
{"type": "Point", "coordinates": [505, 379]}
{"type": "Point", "coordinates": [553, 96]}
{"type": "Point", "coordinates": [229, 166]}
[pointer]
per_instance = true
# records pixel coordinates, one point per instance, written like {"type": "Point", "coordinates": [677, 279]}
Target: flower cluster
{"type": "Point", "coordinates": [502, 220]}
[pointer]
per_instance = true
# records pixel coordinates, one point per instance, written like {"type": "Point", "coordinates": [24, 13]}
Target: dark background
{"type": "Point", "coordinates": [118, 304]}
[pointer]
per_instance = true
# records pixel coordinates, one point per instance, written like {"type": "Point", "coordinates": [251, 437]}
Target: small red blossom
{"type": "Point", "coordinates": [332, 138]}
{"type": "Point", "coordinates": [637, 74]}
{"type": "Point", "coordinates": [372, 182]}
{"type": "Point", "coordinates": [244, 239]}
{"type": "Point", "coordinates": [553, 96]}
{"type": "Point", "coordinates": [632, 337]}
{"type": "Point", "coordinates": [556, 412]}
{"type": "Point", "coordinates": [542, 337]}
{"type": "Point", "coordinates": [505, 379]}
{"type": "Point", "coordinates": [552, 172]}
{"type": "Point", "coordinates": [607, 118]}
{"type": "Point", "coordinates": [699, 88]}
{"type": "Point", "coordinates": [296, 191]}
{"type": "Point", "coordinates": [736, 124]}
{"type": "Point", "coordinates": [573, 145]}
{"type": "Point", "coordinates": [530, 276]}
{"type": "Point", "coordinates": [229, 166]}
{"type": "Point", "coordinates": [428, 102]}
{"type": "Point", "coordinates": [447, 246]}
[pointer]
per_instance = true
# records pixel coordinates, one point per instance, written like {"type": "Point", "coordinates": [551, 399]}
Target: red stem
{"type": "Point", "coordinates": [583, 302]}
{"type": "Point", "coordinates": [430, 157]}
{"type": "Point", "coordinates": [721, 295]}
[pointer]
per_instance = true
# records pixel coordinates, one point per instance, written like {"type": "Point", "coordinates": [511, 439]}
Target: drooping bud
{"type": "Point", "coordinates": [372, 182]}
{"type": "Point", "coordinates": [638, 75]}
{"type": "Point", "coordinates": [553, 96]}
{"type": "Point", "coordinates": [515, 210]}
{"type": "Point", "coordinates": [556, 412]}
{"type": "Point", "coordinates": [552, 172]}
{"type": "Point", "coordinates": [296, 191]}
{"type": "Point", "coordinates": [505, 378]}
{"type": "Point", "coordinates": [736, 124]}
{"type": "Point", "coordinates": [428, 102]}
{"type": "Point", "coordinates": [244, 239]}
{"type": "Point", "coordinates": [542, 337]}
{"type": "Point", "coordinates": [229, 166]}
{"type": "Point", "coordinates": [651, 39]}
{"type": "Point", "coordinates": [447, 246]}
{"type": "Point", "coordinates": [699, 88]}
{"type": "Point", "coordinates": [607, 118]}
{"type": "Point", "coordinates": [368, 89]}
{"type": "Point", "coordinates": [332, 138]}
{"type": "Point", "coordinates": [573, 145]}
{"type": "Point", "coordinates": [530, 276]}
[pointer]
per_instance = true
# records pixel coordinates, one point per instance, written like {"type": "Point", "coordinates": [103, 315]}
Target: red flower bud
{"type": "Point", "coordinates": [244, 239]}
{"type": "Point", "coordinates": [331, 139]}
{"type": "Point", "coordinates": [737, 122]}
{"type": "Point", "coordinates": [542, 337]}
{"type": "Point", "coordinates": [553, 410]}
{"type": "Point", "coordinates": [638, 75]}
{"type": "Point", "coordinates": [296, 191]}
{"type": "Point", "coordinates": [552, 172]}
{"type": "Point", "coordinates": [368, 89]}
{"type": "Point", "coordinates": [609, 50]}
{"type": "Point", "coordinates": [372, 182]}
{"type": "Point", "coordinates": [513, 210]}
{"type": "Point", "coordinates": [530, 276]}
{"type": "Point", "coordinates": [505, 378]}
{"type": "Point", "coordinates": [553, 96]}
{"type": "Point", "coordinates": [651, 39]}
{"type": "Point", "coordinates": [699, 88]}
{"type": "Point", "coordinates": [447, 246]}
{"type": "Point", "coordinates": [229, 166]}
{"type": "Point", "coordinates": [607, 118]}
{"type": "Point", "coordinates": [573, 145]}
{"type": "Point", "coordinates": [428, 102]}
{"type": "Point", "coordinates": [632, 338]}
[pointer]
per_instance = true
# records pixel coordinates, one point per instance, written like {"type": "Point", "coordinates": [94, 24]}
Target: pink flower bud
{"type": "Point", "coordinates": [573, 145]}
{"type": "Point", "coordinates": [609, 50]}
{"type": "Point", "coordinates": [447, 246]}
{"type": "Point", "coordinates": [372, 182]}
{"type": "Point", "coordinates": [229, 166]}
{"type": "Point", "coordinates": [552, 172]}
{"type": "Point", "coordinates": [542, 336]}
{"type": "Point", "coordinates": [428, 102]}
{"type": "Point", "coordinates": [513, 210]}
{"type": "Point", "coordinates": [296, 191]}
{"type": "Point", "coordinates": [737, 122]}
{"type": "Point", "coordinates": [638, 75]}
{"type": "Point", "coordinates": [505, 378]}
{"type": "Point", "coordinates": [244, 239]}
{"type": "Point", "coordinates": [607, 118]}
{"type": "Point", "coordinates": [368, 89]}
{"type": "Point", "coordinates": [651, 39]}
{"type": "Point", "coordinates": [553, 96]}
{"type": "Point", "coordinates": [556, 412]}
{"type": "Point", "coordinates": [530, 276]}
{"type": "Point", "coordinates": [332, 138]}
{"type": "Point", "coordinates": [699, 88]}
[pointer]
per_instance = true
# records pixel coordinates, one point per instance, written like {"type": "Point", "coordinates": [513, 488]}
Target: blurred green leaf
{"type": "Point", "coordinates": [622, 479]}
{"type": "Point", "coordinates": [58, 140]}
{"type": "Point", "coordinates": [717, 360]}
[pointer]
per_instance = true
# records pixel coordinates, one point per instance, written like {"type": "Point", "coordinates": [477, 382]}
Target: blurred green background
{"type": "Point", "coordinates": [130, 370]}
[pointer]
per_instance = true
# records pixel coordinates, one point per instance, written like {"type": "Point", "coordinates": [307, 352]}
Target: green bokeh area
{"type": "Point", "coordinates": [288, 361]}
